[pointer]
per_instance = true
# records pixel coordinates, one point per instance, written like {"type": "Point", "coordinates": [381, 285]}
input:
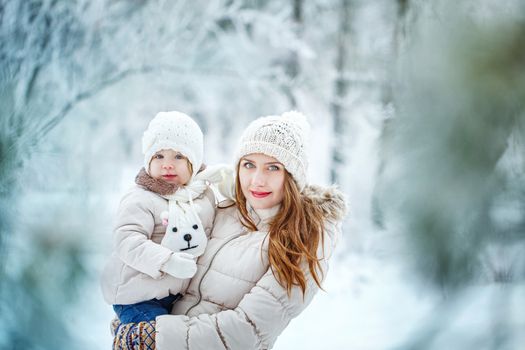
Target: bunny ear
{"type": "Point", "coordinates": [148, 138]}
{"type": "Point", "coordinates": [164, 216]}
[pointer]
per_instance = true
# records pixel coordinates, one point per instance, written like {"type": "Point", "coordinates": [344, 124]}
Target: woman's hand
{"type": "Point", "coordinates": [135, 336]}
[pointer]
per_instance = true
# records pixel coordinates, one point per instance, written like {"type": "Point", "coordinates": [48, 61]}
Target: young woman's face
{"type": "Point", "coordinates": [170, 166]}
{"type": "Point", "coordinates": [262, 180]}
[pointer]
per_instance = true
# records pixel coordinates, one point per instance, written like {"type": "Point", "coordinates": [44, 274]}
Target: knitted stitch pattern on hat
{"type": "Point", "coordinates": [176, 131]}
{"type": "Point", "coordinates": [281, 137]}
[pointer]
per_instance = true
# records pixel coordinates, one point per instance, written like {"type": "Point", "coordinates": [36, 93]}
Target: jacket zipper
{"type": "Point", "coordinates": [208, 269]}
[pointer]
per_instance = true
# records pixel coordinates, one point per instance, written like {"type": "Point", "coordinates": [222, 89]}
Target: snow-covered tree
{"type": "Point", "coordinates": [78, 83]}
{"type": "Point", "coordinates": [453, 155]}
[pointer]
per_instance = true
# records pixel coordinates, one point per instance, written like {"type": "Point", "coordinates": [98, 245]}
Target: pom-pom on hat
{"type": "Point", "coordinates": [177, 131]}
{"type": "Point", "coordinates": [282, 137]}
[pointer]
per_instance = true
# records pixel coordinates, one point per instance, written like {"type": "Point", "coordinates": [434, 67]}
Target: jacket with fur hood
{"type": "Point", "coordinates": [133, 271]}
{"type": "Point", "coordinates": [234, 301]}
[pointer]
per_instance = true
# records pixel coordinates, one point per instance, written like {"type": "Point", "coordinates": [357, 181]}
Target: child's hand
{"type": "Point", "coordinates": [222, 176]}
{"type": "Point", "coordinates": [227, 185]}
{"type": "Point", "coordinates": [180, 265]}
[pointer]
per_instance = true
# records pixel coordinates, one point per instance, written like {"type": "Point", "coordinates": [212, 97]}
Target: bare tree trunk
{"type": "Point", "coordinates": [292, 65]}
{"type": "Point", "coordinates": [398, 40]}
{"type": "Point", "coordinates": [340, 91]}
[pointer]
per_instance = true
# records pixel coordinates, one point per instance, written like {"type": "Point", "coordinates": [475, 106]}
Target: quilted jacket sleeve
{"type": "Point", "coordinates": [255, 323]}
{"type": "Point", "coordinates": [134, 226]}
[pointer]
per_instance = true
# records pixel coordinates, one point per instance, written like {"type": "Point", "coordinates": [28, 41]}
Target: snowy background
{"type": "Point", "coordinates": [417, 113]}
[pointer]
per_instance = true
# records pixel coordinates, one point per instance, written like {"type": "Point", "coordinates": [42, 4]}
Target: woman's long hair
{"type": "Point", "coordinates": [294, 235]}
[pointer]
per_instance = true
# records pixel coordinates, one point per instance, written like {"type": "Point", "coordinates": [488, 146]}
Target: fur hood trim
{"type": "Point", "coordinates": [158, 186]}
{"type": "Point", "coordinates": [331, 200]}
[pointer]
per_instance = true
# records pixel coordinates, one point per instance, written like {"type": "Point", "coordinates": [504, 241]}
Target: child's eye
{"type": "Point", "coordinates": [179, 156]}
{"type": "Point", "coordinates": [273, 168]}
{"type": "Point", "coordinates": [248, 165]}
{"type": "Point", "coordinates": [158, 156]}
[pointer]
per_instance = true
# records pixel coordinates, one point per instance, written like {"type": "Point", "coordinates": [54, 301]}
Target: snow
{"type": "Point", "coordinates": [367, 306]}
{"type": "Point", "coordinates": [372, 300]}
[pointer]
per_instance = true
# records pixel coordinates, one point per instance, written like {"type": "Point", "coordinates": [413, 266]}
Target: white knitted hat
{"type": "Point", "coordinates": [281, 137]}
{"type": "Point", "coordinates": [176, 131]}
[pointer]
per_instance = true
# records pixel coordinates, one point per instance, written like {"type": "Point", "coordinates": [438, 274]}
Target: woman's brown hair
{"type": "Point", "coordinates": [293, 237]}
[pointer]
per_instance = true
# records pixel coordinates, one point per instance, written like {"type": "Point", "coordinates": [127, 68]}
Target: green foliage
{"type": "Point", "coordinates": [460, 98]}
{"type": "Point", "coordinates": [44, 272]}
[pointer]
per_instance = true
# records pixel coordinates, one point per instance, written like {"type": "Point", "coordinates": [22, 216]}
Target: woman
{"type": "Point", "coordinates": [267, 255]}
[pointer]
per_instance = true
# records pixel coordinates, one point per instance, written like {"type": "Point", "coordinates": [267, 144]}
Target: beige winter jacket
{"type": "Point", "coordinates": [234, 301]}
{"type": "Point", "coordinates": [132, 273]}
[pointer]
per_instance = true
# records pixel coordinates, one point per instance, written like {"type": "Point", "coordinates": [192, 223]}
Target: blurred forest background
{"type": "Point", "coordinates": [418, 115]}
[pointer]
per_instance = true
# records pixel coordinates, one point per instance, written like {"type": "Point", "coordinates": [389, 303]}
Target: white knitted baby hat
{"type": "Point", "coordinates": [282, 137]}
{"type": "Point", "coordinates": [177, 131]}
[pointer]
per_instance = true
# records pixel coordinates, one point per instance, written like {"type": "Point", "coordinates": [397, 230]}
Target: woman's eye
{"type": "Point", "coordinates": [248, 165]}
{"type": "Point", "coordinates": [273, 168]}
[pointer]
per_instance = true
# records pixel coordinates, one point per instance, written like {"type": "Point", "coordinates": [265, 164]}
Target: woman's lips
{"type": "Point", "coordinates": [258, 194]}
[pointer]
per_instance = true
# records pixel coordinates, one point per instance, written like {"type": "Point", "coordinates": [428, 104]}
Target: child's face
{"type": "Point", "coordinates": [170, 166]}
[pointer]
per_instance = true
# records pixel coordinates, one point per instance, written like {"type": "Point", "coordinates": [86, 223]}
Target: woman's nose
{"type": "Point", "coordinates": [258, 178]}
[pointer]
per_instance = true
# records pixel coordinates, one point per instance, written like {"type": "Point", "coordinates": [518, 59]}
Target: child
{"type": "Point", "coordinates": [152, 264]}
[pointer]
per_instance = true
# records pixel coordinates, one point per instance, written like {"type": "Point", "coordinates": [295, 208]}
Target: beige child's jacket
{"type": "Point", "coordinates": [133, 273]}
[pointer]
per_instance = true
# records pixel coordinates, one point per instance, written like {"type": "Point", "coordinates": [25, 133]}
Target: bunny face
{"type": "Point", "coordinates": [185, 235]}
